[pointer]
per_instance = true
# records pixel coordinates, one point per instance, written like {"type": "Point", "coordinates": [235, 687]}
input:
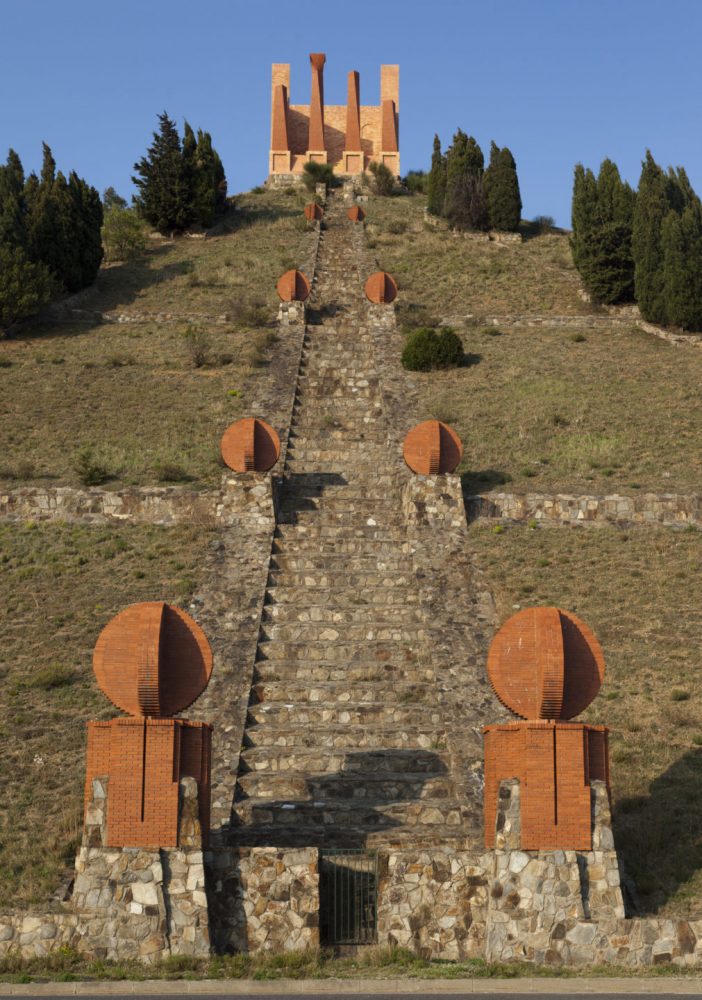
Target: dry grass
{"type": "Point", "coordinates": [59, 586]}
{"type": "Point", "coordinates": [443, 274]}
{"type": "Point", "coordinates": [133, 392]}
{"type": "Point", "coordinates": [544, 410]}
{"type": "Point", "coordinates": [640, 592]}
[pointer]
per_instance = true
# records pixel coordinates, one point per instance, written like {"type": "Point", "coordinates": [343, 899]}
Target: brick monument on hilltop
{"type": "Point", "coordinates": [348, 137]}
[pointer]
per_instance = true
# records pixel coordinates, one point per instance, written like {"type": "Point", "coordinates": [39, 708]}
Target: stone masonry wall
{"type": "Point", "coordinates": [669, 509]}
{"type": "Point", "coordinates": [263, 898]}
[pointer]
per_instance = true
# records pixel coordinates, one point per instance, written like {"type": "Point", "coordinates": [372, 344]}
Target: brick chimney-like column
{"type": "Point", "coordinates": [315, 142]}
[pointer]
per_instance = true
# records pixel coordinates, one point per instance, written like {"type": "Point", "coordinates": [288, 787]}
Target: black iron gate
{"type": "Point", "coordinates": [348, 889]}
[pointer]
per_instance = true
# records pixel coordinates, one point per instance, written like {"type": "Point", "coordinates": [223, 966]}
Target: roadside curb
{"type": "Point", "coordinates": [334, 987]}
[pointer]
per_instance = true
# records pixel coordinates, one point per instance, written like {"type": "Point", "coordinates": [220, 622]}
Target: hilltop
{"type": "Point", "coordinates": [553, 396]}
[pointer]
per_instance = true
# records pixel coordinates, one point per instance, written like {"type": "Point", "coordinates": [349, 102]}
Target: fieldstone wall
{"type": "Point", "coordinates": [434, 902]}
{"type": "Point", "coordinates": [566, 907]}
{"type": "Point", "coordinates": [670, 509]}
{"type": "Point", "coordinates": [263, 898]}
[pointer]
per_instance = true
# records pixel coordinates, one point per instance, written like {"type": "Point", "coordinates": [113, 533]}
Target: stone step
{"type": "Point", "coordinates": [322, 517]}
{"type": "Point", "coordinates": [289, 614]}
{"type": "Point", "coordinates": [388, 835]}
{"type": "Point", "coordinates": [322, 633]}
{"type": "Point", "coordinates": [344, 815]}
{"type": "Point", "coordinates": [310, 575]}
{"type": "Point", "coordinates": [343, 673]}
{"type": "Point", "coordinates": [389, 533]}
{"type": "Point", "coordinates": [337, 548]}
{"type": "Point", "coordinates": [373, 737]}
{"type": "Point", "coordinates": [365, 651]}
{"type": "Point", "coordinates": [364, 789]}
{"type": "Point", "coordinates": [339, 763]}
{"type": "Point", "coordinates": [336, 562]}
{"type": "Point", "coordinates": [342, 597]}
{"type": "Point", "coordinates": [353, 471]}
{"type": "Point", "coordinates": [365, 692]}
{"type": "Point", "coordinates": [313, 714]}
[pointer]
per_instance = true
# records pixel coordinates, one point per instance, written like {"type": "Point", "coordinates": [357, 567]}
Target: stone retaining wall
{"type": "Point", "coordinates": [670, 509]}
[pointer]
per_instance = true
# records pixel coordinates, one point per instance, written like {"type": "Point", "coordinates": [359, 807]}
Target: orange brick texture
{"type": "Point", "coordinates": [144, 760]}
{"type": "Point", "coordinates": [432, 448]}
{"type": "Point", "coordinates": [152, 660]}
{"type": "Point", "coordinates": [250, 445]}
{"type": "Point", "coordinates": [313, 212]}
{"type": "Point", "coordinates": [547, 666]}
{"type": "Point", "coordinates": [381, 288]}
{"type": "Point", "coordinates": [347, 136]}
{"type": "Point", "coordinates": [293, 286]}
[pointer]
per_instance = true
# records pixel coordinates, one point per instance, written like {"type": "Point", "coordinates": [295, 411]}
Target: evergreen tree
{"type": "Point", "coordinates": [607, 266]}
{"type": "Point", "coordinates": [163, 198]}
{"type": "Point", "coordinates": [189, 168]}
{"type": "Point", "coordinates": [436, 184]}
{"type": "Point", "coordinates": [653, 202]}
{"type": "Point", "coordinates": [583, 212]}
{"type": "Point", "coordinates": [681, 241]}
{"type": "Point", "coordinates": [220, 184]}
{"type": "Point", "coordinates": [205, 193]}
{"type": "Point", "coordinates": [87, 218]}
{"type": "Point", "coordinates": [13, 208]}
{"type": "Point", "coordinates": [465, 204]}
{"type": "Point", "coordinates": [615, 198]}
{"type": "Point", "coordinates": [502, 190]}
{"type": "Point", "coordinates": [110, 199]}
{"type": "Point", "coordinates": [24, 287]}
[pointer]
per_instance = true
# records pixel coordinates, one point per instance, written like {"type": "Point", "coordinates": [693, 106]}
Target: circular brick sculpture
{"type": "Point", "coordinates": [152, 659]}
{"type": "Point", "coordinates": [432, 448]}
{"type": "Point", "coordinates": [356, 213]}
{"type": "Point", "coordinates": [381, 288]}
{"type": "Point", "coordinates": [313, 211]}
{"type": "Point", "coordinates": [293, 286]}
{"type": "Point", "coordinates": [250, 445]}
{"type": "Point", "coordinates": [544, 663]}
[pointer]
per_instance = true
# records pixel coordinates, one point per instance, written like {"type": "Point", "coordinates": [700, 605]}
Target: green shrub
{"type": "Point", "coordinates": [198, 344]}
{"type": "Point", "coordinates": [54, 676]}
{"type": "Point", "coordinates": [383, 179]}
{"type": "Point", "coordinates": [123, 234]}
{"type": "Point", "coordinates": [317, 173]}
{"type": "Point", "coordinates": [91, 471]}
{"type": "Point", "coordinates": [426, 349]}
{"type": "Point", "coordinates": [416, 182]}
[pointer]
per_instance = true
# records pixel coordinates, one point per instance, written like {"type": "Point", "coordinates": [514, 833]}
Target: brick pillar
{"type": "Point", "coordinates": [315, 143]}
{"type": "Point", "coordinates": [280, 156]}
{"type": "Point", "coordinates": [389, 152]}
{"type": "Point", "coordinates": [354, 160]}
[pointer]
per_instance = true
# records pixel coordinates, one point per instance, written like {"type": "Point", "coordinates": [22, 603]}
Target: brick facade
{"type": "Point", "coordinates": [348, 136]}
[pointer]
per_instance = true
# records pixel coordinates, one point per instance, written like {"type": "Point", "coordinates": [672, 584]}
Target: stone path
{"type": "Point", "coordinates": [345, 741]}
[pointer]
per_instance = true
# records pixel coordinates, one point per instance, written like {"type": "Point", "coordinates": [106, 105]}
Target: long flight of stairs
{"type": "Point", "coordinates": [345, 743]}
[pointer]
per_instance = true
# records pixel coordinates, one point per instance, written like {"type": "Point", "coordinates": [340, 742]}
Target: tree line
{"type": "Point", "coordinates": [49, 235]}
{"type": "Point", "coordinates": [641, 246]}
{"type": "Point", "coordinates": [461, 190]}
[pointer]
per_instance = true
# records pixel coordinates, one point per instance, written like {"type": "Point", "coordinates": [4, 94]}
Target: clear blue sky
{"type": "Point", "coordinates": [556, 80]}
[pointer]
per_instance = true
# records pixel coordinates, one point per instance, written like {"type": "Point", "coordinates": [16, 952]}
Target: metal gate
{"type": "Point", "coordinates": [348, 889]}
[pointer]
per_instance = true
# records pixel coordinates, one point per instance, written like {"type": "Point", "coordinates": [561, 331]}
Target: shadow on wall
{"type": "Point", "coordinates": [479, 480]}
{"type": "Point", "coordinates": [659, 835]}
{"type": "Point", "coordinates": [367, 780]}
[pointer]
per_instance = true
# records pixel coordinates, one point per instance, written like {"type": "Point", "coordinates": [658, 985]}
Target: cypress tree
{"type": "Point", "coordinates": [653, 201]}
{"type": "Point", "coordinates": [681, 241]}
{"type": "Point", "coordinates": [162, 197]}
{"type": "Point", "coordinates": [220, 184]}
{"type": "Point", "coordinates": [607, 266]}
{"type": "Point", "coordinates": [24, 287]}
{"type": "Point", "coordinates": [189, 170]}
{"type": "Point", "coordinates": [205, 197]}
{"type": "Point", "coordinates": [583, 212]}
{"type": "Point", "coordinates": [87, 218]}
{"type": "Point", "coordinates": [615, 198]}
{"type": "Point", "coordinates": [502, 190]}
{"type": "Point", "coordinates": [436, 183]}
{"type": "Point", "coordinates": [13, 208]}
{"type": "Point", "coordinates": [474, 159]}
{"type": "Point", "coordinates": [465, 204]}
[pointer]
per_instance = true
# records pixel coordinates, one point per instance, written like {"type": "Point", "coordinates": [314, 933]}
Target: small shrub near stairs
{"type": "Point", "coordinates": [426, 349]}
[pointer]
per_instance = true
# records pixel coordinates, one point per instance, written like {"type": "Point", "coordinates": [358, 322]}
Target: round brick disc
{"type": "Point", "coordinates": [250, 445]}
{"type": "Point", "coordinates": [381, 288]}
{"type": "Point", "coordinates": [432, 448]}
{"type": "Point", "coordinates": [152, 659]}
{"type": "Point", "coordinates": [293, 286]}
{"type": "Point", "coordinates": [544, 663]}
{"type": "Point", "coordinates": [313, 211]}
{"type": "Point", "coordinates": [356, 213]}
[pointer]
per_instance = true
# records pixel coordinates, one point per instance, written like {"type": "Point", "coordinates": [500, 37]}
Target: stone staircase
{"type": "Point", "coordinates": [345, 741]}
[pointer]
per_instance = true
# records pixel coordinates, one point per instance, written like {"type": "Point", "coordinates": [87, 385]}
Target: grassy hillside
{"type": "Point", "coordinates": [538, 409]}
{"type": "Point", "coordinates": [640, 592]}
{"type": "Point", "coordinates": [131, 392]}
{"type": "Point", "coordinates": [541, 409]}
{"type": "Point", "coordinates": [59, 586]}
